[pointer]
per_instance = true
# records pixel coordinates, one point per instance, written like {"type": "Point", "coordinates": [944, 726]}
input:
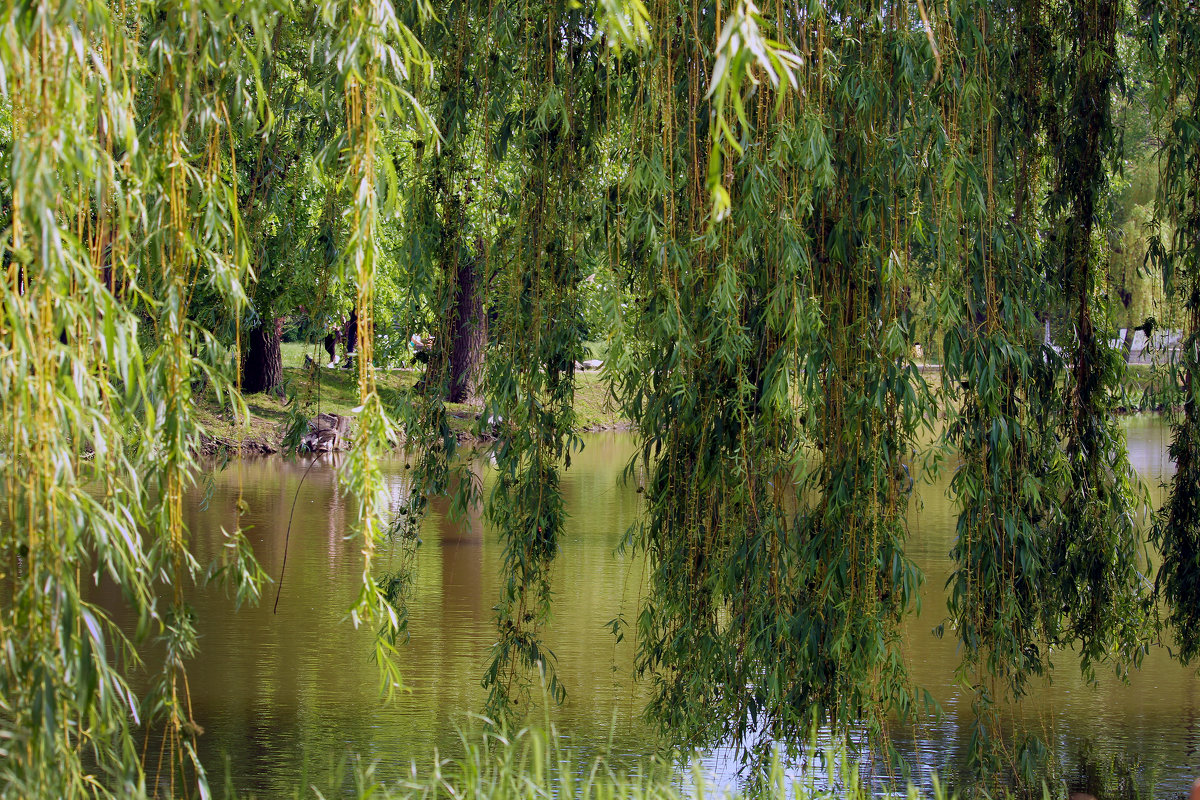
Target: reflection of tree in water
{"type": "Point", "coordinates": [461, 542]}
{"type": "Point", "coordinates": [338, 522]}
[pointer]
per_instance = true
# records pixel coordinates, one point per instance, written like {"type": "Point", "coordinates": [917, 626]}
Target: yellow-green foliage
{"type": "Point", "coordinates": [780, 201]}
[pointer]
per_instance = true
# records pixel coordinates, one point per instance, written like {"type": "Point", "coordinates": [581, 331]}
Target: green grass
{"type": "Point", "coordinates": [337, 393]}
{"type": "Point", "coordinates": [1145, 389]}
{"type": "Point", "coordinates": [596, 350]}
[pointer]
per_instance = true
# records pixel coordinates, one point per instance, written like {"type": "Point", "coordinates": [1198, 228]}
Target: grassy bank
{"type": "Point", "coordinates": [1145, 388]}
{"type": "Point", "coordinates": [337, 393]}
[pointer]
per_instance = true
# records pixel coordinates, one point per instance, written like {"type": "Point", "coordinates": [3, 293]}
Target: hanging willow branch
{"type": "Point", "coordinates": [440, 255]}
{"type": "Point", "coordinates": [114, 222]}
{"type": "Point", "coordinates": [374, 53]}
{"type": "Point", "coordinates": [1172, 40]}
{"type": "Point", "coordinates": [61, 397]}
{"type": "Point", "coordinates": [767, 367]}
{"type": "Point", "coordinates": [529, 383]}
{"type": "Point", "coordinates": [1047, 549]}
{"type": "Point", "coordinates": [1000, 600]}
{"type": "Point", "coordinates": [1096, 558]}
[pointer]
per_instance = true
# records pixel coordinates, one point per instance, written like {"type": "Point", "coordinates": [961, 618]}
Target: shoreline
{"type": "Point", "coordinates": [1144, 391]}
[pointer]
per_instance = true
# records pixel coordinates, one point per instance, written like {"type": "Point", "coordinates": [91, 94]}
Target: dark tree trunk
{"type": "Point", "coordinates": [468, 332]}
{"type": "Point", "coordinates": [262, 370]}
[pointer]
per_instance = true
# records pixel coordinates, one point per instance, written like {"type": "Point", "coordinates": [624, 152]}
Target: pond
{"type": "Point", "coordinates": [282, 696]}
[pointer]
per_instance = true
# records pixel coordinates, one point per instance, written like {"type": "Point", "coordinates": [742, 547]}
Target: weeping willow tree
{"type": "Point", "coordinates": [767, 362]}
{"type": "Point", "coordinates": [1172, 37]}
{"type": "Point", "coordinates": [122, 206]}
{"type": "Point", "coordinates": [775, 188]}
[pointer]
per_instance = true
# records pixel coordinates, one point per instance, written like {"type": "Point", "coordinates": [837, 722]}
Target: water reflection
{"type": "Point", "coordinates": [285, 694]}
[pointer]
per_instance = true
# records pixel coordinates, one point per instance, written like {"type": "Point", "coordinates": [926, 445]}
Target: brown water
{"type": "Point", "coordinates": [284, 696]}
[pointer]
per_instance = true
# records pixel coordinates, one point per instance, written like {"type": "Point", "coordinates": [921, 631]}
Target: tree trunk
{"type": "Point", "coordinates": [262, 370]}
{"type": "Point", "coordinates": [468, 332]}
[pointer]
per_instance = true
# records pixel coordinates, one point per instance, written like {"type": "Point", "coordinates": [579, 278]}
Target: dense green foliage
{"type": "Point", "coordinates": [762, 212]}
{"type": "Point", "coordinates": [1048, 546]}
{"type": "Point", "coordinates": [767, 362]}
{"type": "Point", "coordinates": [1173, 36]}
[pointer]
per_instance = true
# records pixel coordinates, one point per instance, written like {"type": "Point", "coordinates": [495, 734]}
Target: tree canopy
{"type": "Point", "coordinates": [763, 213]}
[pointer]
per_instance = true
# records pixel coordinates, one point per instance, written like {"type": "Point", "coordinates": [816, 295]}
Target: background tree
{"type": "Point", "coordinates": [442, 222]}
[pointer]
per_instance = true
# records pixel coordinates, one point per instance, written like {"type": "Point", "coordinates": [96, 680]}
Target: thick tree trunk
{"type": "Point", "coordinates": [468, 332]}
{"type": "Point", "coordinates": [262, 369]}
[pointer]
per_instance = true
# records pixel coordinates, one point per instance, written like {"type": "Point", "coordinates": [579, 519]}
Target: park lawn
{"type": "Point", "coordinates": [337, 393]}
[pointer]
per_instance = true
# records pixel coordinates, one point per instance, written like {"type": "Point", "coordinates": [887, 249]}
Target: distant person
{"type": "Point", "coordinates": [419, 348]}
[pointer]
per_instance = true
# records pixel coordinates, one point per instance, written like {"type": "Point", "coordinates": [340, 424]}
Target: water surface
{"type": "Point", "coordinates": [284, 695]}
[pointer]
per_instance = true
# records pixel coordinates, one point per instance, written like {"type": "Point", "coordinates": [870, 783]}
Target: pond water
{"type": "Point", "coordinates": [283, 695]}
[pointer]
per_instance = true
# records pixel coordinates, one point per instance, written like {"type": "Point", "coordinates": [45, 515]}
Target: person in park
{"type": "Point", "coordinates": [330, 342]}
{"type": "Point", "coordinates": [420, 348]}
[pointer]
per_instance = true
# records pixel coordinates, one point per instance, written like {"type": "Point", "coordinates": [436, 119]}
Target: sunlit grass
{"type": "Point", "coordinates": [337, 393]}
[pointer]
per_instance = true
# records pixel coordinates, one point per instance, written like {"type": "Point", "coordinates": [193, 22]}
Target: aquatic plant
{"type": "Point", "coordinates": [537, 761]}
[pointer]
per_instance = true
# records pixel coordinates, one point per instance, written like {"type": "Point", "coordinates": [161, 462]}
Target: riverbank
{"type": "Point", "coordinates": [1145, 389]}
{"type": "Point", "coordinates": [337, 393]}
